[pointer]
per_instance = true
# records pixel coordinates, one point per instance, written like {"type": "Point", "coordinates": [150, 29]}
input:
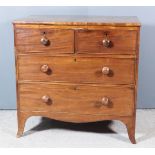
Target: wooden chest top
{"type": "Point", "coordinates": [81, 20]}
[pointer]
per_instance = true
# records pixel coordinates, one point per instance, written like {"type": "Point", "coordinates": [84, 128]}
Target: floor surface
{"type": "Point", "coordinates": [44, 132]}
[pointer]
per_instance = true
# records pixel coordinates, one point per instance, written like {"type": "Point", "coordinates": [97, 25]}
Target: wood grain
{"type": "Point", "coordinates": [80, 20]}
{"type": "Point", "coordinates": [75, 89]}
{"type": "Point", "coordinates": [29, 40]}
{"type": "Point", "coordinates": [76, 118]}
{"type": "Point", "coordinates": [74, 27]}
{"type": "Point", "coordinates": [90, 41]}
{"type": "Point", "coordinates": [82, 99]}
{"type": "Point", "coordinates": [76, 69]}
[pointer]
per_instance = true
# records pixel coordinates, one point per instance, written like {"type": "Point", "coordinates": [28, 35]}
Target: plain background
{"type": "Point", "coordinates": [146, 15]}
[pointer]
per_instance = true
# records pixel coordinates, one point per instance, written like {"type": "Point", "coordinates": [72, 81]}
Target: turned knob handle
{"type": "Point", "coordinates": [105, 70]}
{"type": "Point", "coordinates": [106, 43]}
{"type": "Point", "coordinates": [44, 68]}
{"type": "Point", "coordinates": [105, 101]}
{"type": "Point", "coordinates": [44, 41]}
{"type": "Point", "coordinates": [46, 99]}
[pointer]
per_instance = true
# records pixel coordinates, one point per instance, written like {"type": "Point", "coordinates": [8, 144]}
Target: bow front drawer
{"type": "Point", "coordinates": [30, 40]}
{"type": "Point", "coordinates": [106, 41]}
{"type": "Point", "coordinates": [76, 69]}
{"type": "Point", "coordinates": [79, 99]}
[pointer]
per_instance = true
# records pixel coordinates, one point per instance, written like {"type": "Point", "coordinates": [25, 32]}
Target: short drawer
{"type": "Point", "coordinates": [76, 69]}
{"type": "Point", "coordinates": [44, 40]}
{"type": "Point", "coordinates": [106, 41]}
{"type": "Point", "coordinates": [79, 99]}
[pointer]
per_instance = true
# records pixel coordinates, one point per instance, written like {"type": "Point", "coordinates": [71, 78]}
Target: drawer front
{"type": "Point", "coordinates": [81, 99]}
{"type": "Point", "coordinates": [78, 70]}
{"type": "Point", "coordinates": [44, 40]}
{"type": "Point", "coordinates": [106, 41]}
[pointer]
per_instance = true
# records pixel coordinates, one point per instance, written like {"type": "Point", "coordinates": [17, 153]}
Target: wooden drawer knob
{"type": "Point", "coordinates": [44, 41]}
{"type": "Point", "coordinates": [44, 68]}
{"type": "Point", "coordinates": [106, 43]}
{"type": "Point", "coordinates": [105, 70]}
{"type": "Point", "coordinates": [105, 101]}
{"type": "Point", "coordinates": [46, 99]}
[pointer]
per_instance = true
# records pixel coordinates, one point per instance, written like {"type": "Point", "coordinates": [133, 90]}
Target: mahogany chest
{"type": "Point", "coordinates": [77, 69]}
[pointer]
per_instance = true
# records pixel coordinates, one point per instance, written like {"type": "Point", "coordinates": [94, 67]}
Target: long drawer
{"type": "Point", "coordinates": [79, 99]}
{"type": "Point", "coordinates": [76, 70]}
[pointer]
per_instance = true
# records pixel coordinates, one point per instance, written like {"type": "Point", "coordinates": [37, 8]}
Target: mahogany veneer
{"type": "Point", "coordinates": [77, 69]}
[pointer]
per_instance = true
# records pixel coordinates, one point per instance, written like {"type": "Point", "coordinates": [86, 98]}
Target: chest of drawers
{"type": "Point", "coordinates": [77, 69]}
